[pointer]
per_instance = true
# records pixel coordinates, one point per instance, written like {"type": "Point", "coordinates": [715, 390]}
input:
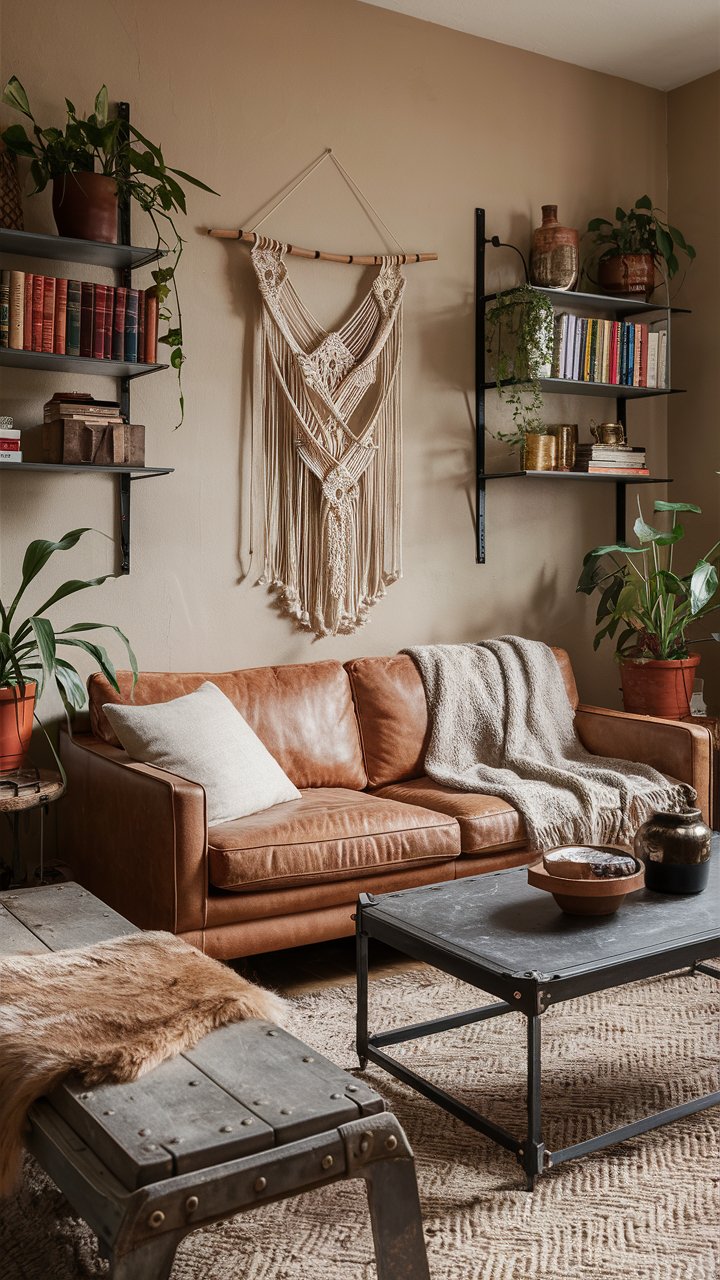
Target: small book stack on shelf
{"type": "Point", "coordinates": [79, 429]}
{"type": "Point", "coordinates": [611, 459]}
{"type": "Point", "coordinates": [617, 352]}
{"type": "Point", "coordinates": [10, 450]}
{"type": "Point", "coordinates": [77, 318]}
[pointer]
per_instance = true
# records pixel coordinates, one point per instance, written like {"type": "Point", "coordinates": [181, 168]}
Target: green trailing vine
{"type": "Point", "coordinates": [519, 340]}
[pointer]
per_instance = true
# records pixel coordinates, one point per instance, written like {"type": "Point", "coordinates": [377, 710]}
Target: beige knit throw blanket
{"type": "Point", "coordinates": [502, 725]}
{"type": "Point", "coordinates": [111, 1012]}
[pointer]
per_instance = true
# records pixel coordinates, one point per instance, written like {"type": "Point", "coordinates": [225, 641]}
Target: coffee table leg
{"type": "Point", "coordinates": [361, 1041]}
{"type": "Point", "coordinates": [533, 1152]}
{"type": "Point", "coordinates": [150, 1261]}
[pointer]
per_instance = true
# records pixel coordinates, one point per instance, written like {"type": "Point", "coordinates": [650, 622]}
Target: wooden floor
{"type": "Point", "coordinates": [324, 964]}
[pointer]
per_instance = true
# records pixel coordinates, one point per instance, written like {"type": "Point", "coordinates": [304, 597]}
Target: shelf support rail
{"type": "Point", "coordinates": [480, 243]}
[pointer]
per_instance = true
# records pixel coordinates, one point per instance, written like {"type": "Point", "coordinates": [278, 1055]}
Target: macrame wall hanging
{"type": "Point", "coordinates": [327, 406]}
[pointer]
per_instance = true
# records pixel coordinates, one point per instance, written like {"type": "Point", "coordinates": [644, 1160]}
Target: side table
{"type": "Point", "coordinates": [20, 791]}
{"type": "Point", "coordinates": [712, 723]}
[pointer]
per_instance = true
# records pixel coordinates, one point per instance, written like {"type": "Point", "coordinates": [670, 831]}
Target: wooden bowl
{"type": "Point", "coordinates": [587, 897]}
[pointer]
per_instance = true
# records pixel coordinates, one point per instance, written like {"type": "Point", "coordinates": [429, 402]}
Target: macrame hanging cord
{"type": "Point", "coordinates": [328, 411]}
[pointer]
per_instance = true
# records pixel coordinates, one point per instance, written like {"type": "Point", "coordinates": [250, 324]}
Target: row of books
{"type": "Point", "coordinates": [77, 318]}
{"type": "Point", "coordinates": [10, 450]}
{"type": "Point", "coordinates": [617, 352]}
{"type": "Point", "coordinates": [611, 459]}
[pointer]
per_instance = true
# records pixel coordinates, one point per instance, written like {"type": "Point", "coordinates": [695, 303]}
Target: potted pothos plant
{"type": "Point", "coordinates": [629, 250]}
{"type": "Point", "coordinates": [92, 163]}
{"type": "Point", "coordinates": [30, 645]}
{"type": "Point", "coordinates": [647, 608]}
{"type": "Point", "coordinates": [519, 327]}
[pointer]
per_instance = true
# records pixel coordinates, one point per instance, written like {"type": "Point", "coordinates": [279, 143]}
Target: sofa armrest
{"type": "Point", "coordinates": [676, 747]}
{"type": "Point", "coordinates": [134, 835]}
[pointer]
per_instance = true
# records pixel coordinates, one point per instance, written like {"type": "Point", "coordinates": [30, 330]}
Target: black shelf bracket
{"type": "Point", "coordinates": [480, 243]}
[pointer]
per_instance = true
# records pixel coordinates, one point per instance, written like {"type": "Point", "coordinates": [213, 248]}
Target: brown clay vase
{"type": "Point", "coordinates": [658, 687]}
{"type": "Point", "coordinates": [85, 206]}
{"type": "Point", "coordinates": [16, 722]}
{"type": "Point", "coordinates": [555, 255]}
{"type": "Point", "coordinates": [627, 274]}
{"type": "Point", "coordinates": [675, 848]}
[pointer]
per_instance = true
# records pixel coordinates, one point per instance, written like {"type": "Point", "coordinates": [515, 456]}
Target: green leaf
{"type": "Point", "coordinates": [44, 634]}
{"type": "Point", "coordinates": [187, 177]}
{"type": "Point", "coordinates": [96, 651]}
{"type": "Point", "coordinates": [673, 265]}
{"type": "Point", "coordinates": [17, 141]}
{"type": "Point", "coordinates": [676, 506]}
{"type": "Point", "coordinates": [71, 687]}
{"type": "Point", "coordinates": [643, 203]}
{"type": "Point", "coordinates": [646, 533]}
{"type": "Point", "coordinates": [703, 585]}
{"type": "Point", "coordinates": [593, 225]}
{"type": "Point", "coordinates": [99, 626]}
{"type": "Point", "coordinates": [691, 253]}
{"type": "Point", "coordinates": [70, 587]}
{"type": "Point", "coordinates": [70, 106]}
{"type": "Point", "coordinates": [13, 95]}
{"type": "Point", "coordinates": [678, 237]}
{"type": "Point", "coordinates": [101, 106]}
{"type": "Point", "coordinates": [177, 358]}
{"type": "Point", "coordinates": [664, 243]}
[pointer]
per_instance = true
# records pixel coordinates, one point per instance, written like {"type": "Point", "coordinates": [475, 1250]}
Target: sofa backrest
{"type": "Point", "coordinates": [304, 714]}
{"type": "Point", "coordinates": [393, 716]}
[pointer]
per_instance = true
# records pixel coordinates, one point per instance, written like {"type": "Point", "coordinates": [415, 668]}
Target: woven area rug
{"type": "Point", "coordinates": [645, 1210]}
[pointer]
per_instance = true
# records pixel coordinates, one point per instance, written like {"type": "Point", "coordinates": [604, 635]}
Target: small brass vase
{"type": "Point", "coordinates": [540, 452]}
{"type": "Point", "coordinates": [675, 848]}
{"type": "Point", "coordinates": [566, 434]}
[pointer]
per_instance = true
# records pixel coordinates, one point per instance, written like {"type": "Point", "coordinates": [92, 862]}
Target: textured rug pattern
{"type": "Point", "coordinates": [645, 1210]}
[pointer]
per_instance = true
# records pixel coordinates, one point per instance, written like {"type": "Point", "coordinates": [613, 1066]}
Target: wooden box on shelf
{"type": "Point", "coordinates": [112, 444]}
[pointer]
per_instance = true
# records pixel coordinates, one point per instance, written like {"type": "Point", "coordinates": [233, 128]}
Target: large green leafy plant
{"type": "Point", "coordinates": [116, 149]}
{"type": "Point", "coordinates": [29, 643]}
{"type": "Point", "coordinates": [640, 229]}
{"type": "Point", "coordinates": [641, 593]}
{"type": "Point", "coordinates": [519, 342]}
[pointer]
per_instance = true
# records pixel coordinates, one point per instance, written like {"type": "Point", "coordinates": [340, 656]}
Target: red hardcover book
{"type": "Point", "coordinates": [118, 333]}
{"type": "Point", "coordinates": [108, 327]}
{"type": "Point", "coordinates": [9, 446]}
{"type": "Point", "coordinates": [61, 289]}
{"type": "Point", "coordinates": [100, 321]}
{"type": "Point", "coordinates": [87, 310]}
{"type": "Point", "coordinates": [151, 326]}
{"type": "Point", "coordinates": [37, 311]}
{"type": "Point", "coordinates": [48, 315]}
{"type": "Point", "coordinates": [27, 316]}
{"type": "Point", "coordinates": [141, 326]}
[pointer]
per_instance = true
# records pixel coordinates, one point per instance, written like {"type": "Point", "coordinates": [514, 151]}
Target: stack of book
{"type": "Point", "coordinates": [616, 352]}
{"type": "Point", "coordinates": [77, 428]}
{"type": "Point", "coordinates": [77, 318]}
{"type": "Point", "coordinates": [10, 450]}
{"type": "Point", "coordinates": [611, 459]}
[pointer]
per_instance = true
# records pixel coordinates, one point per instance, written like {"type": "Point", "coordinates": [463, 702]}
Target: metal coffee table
{"type": "Point", "coordinates": [500, 935]}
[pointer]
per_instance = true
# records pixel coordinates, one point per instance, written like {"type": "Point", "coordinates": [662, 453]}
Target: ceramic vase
{"type": "Point", "coordinates": [555, 256]}
{"type": "Point", "coordinates": [675, 848]}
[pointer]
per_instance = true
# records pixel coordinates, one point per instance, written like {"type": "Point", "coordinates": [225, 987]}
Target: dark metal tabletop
{"type": "Point", "coordinates": [497, 924]}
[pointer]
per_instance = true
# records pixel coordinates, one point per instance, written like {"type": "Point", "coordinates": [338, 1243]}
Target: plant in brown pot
{"type": "Point", "coordinates": [29, 657]}
{"type": "Point", "coordinates": [641, 593]}
{"type": "Point", "coordinates": [519, 343]}
{"type": "Point", "coordinates": [629, 250]}
{"type": "Point", "coordinates": [94, 162]}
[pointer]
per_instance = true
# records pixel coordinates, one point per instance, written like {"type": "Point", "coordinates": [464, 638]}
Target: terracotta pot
{"type": "Point", "coordinates": [540, 452]}
{"type": "Point", "coordinates": [85, 206]}
{"type": "Point", "coordinates": [658, 687]}
{"type": "Point", "coordinates": [554, 257]}
{"type": "Point", "coordinates": [16, 722]}
{"type": "Point", "coordinates": [627, 274]}
{"type": "Point", "coordinates": [675, 848]}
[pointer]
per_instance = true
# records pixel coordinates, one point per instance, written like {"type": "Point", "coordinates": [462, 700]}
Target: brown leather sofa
{"type": "Point", "coordinates": [352, 740]}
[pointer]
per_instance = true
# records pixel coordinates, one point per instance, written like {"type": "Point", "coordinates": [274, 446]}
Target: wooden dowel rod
{"type": "Point", "coordinates": [357, 259]}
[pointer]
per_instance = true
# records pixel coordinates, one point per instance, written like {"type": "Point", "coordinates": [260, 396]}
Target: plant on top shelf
{"type": "Point", "coordinates": [94, 161]}
{"type": "Point", "coordinates": [30, 661]}
{"type": "Point", "coordinates": [646, 607]}
{"type": "Point", "coordinates": [519, 341]}
{"type": "Point", "coordinates": [629, 250]}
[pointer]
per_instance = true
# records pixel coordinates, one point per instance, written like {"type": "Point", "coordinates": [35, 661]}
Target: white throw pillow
{"type": "Point", "coordinates": [203, 737]}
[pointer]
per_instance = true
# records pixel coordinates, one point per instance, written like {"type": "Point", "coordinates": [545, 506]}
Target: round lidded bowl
{"type": "Point", "coordinates": [600, 896]}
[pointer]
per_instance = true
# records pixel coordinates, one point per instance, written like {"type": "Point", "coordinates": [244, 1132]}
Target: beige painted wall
{"type": "Point", "coordinates": [431, 123]}
{"type": "Point", "coordinates": [694, 439]}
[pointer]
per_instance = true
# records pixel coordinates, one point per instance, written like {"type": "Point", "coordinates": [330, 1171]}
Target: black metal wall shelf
{"type": "Point", "coordinates": [30, 244]}
{"type": "Point", "coordinates": [587, 304]}
{"type": "Point", "coordinates": [123, 258]}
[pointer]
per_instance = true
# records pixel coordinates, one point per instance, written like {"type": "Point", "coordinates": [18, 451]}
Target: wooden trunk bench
{"type": "Point", "coordinates": [251, 1115]}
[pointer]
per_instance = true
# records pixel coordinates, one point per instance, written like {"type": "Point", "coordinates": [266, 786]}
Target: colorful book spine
{"type": "Point", "coordinates": [131, 325]}
{"type": "Point", "coordinates": [118, 334]}
{"type": "Point", "coordinates": [60, 339]}
{"type": "Point", "coordinates": [48, 315]}
{"type": "Point", "coordinates": [99, 321]}
{"type": "Point", "coordinates": [9, 446]}
{"type": "Point", "coordinates": [141, 326]}
{"type": "Point", "coordinates": [4, 308]}
{"type": "Point", "coordinates": [11, 455]}
{"type": "Point", "coordinates": [108, 326]}
{"type": "Point", "coordinates": [38, 296]}
{"type": "Point", "coordinates": [87, 307]}
{"type": "Point", "coordinates": [151, 326]}
{"type": "Point", "coordinates": [16, 314]}
{"type": "Point", "coordinates": [27, 312]}
{"type": "Point", "coordinates": [72, 319]}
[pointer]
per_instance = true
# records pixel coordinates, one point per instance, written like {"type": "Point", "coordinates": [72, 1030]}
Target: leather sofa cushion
{"type": "Point", "coordinates": [486, 823]}
{"type": "Point", "coordinates": [303, 714]}
{"type": "Point", "coordinates": [330, 833]}
{"type": "Point", "coordinates": [393, 716]}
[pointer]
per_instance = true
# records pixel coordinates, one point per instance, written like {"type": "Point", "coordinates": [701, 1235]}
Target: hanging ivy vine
{"type": "Point", "coordinates": [519, 340]}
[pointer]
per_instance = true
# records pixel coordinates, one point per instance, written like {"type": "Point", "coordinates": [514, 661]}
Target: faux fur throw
{"type": "Point", "coordinates": [502, 725]}
{"type": "Point", "coordinates": [111, 1012]}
